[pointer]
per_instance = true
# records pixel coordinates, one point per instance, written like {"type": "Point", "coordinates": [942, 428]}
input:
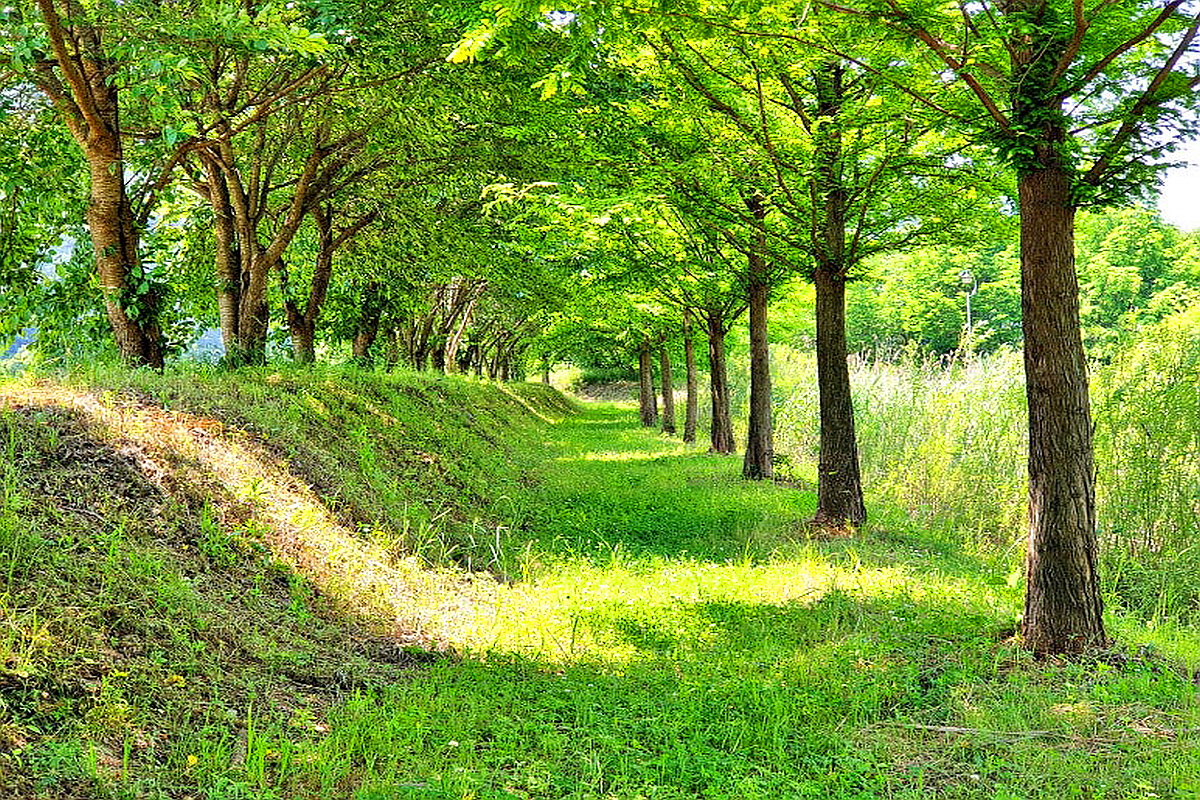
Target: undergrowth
{"type": "Point", "coordinates": [278, 584]}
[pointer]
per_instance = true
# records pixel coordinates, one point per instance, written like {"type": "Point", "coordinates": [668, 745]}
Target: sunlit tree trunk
{"type": "Point", "coordinates": [1063, 610]}
{"type": "Point", "coordinates": [79, 79]}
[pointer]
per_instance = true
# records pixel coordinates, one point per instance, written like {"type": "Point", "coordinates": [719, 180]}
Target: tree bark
{"type": "Point", "coordinates": [689, 356]}
{"type": "Point", "coordinates": [668, 389]}
{"type": "Point", "coordinates": [302, 322]}
{"type": "Point", "coordinates": [228, 258]}
{"type": "Point", "coordinates": [454, 341]}
{"type": "Point", "coordinates": [1063, 610]}
{"type": "Point", "coordinates": [647, 406]}
{"type": "Point", "coordinates": [721, 434]}
{"type": "Point", "coordinates": [839, 483]}
{"type": "Point", "coordinates": [78, 79]}
{"type": "Point", "coordinates": [367, 329]}
{"type": "Point", "coordinates": [760, 447]}
{"type": "Point", "coordinates": [393, 348]}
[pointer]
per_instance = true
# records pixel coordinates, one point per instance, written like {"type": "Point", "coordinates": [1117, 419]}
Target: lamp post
{"type": "Point", "coordinates": [970, 285]}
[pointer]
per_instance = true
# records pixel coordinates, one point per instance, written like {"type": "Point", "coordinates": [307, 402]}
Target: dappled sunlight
{"type": "Point", "coordinates": [617, 455]}
{"type": "Point", "coordinates": [579, 609]}
{"type": "Point", "coordinates": [399, 597]}
{"type": "Point", "coordinates": [631, 615]}
{"type": "Point", "coordinates": [571, 606]}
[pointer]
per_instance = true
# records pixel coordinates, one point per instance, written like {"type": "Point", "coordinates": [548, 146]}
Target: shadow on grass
{"type": "Point", "coordinates": [794, 700]}
{"type": "Point", "coordinates": [629, 490]}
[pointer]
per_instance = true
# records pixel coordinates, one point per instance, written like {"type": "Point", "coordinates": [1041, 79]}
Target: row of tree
{"type": "Point", "coordinates": [343, 162]}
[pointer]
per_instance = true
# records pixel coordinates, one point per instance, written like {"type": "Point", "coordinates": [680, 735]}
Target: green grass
{"type": "Point", "coordinates": [613, 615]}
{"type": "Point", "coordinates": [680, 637]}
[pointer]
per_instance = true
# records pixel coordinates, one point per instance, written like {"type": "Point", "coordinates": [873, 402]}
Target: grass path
{"type": "Point", "coordinates": [669, 631]}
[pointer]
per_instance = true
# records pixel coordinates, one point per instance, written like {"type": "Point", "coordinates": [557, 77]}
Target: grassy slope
{"type": "Point", "coordinates": [636, 621]}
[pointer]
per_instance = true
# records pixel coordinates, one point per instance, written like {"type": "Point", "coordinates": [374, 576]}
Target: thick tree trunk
{"type": "Point", "coordinates": [227, 257]}
{"type": "Point", "coordinates": [254, 316]}
{"type": "Point", "coordinates": [668, 390]}
{"type": "Point", "coordinates": [1062, 595]}
{"type": "Point", "coordinates": [760, 442]}
{"type": "Point", "coordinates": [133, 315]}
{"type": "Point", "coordinates": [721, 434]}
{"type": "Point", "coordinates": [1063, 612]}
{"type": "Point", "coordinates": [304, 342]}
{"type": "Point", "coordinates": [691, 414]}
{"type": "Point", "coordinates": [647, 405]}
{"type": "Point", "coordinates": [78, 78]}
{"type": "Point", "coordinates": [839, 484]}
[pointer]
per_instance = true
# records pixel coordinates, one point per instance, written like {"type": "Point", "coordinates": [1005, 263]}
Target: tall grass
{"type": "Point", "coordinates": [1148, 458]}
{"type": "Point", "coordinates": [945, 439]}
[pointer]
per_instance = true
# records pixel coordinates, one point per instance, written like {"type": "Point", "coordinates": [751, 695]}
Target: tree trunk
{"type": "Point", "coordinates": [839, 484]}
{"type": "Point", "coordinates": [254, 316]}
{"type": "Point", "coordinates": [393, 348]}
{"type": "Point", "coordinates": [1063, 611]}
{"type": "Point", "coordinates": [760, 446]}
{"type": "Point", "coordinates": [132, 314]}
{"type": "Point", "coordinates": [668, 390]}
{"type": "Point", "coordinates": [421, 341]}
{"type": "Point", "coordinates": [475, 359]}
{"type": "Point", "coordinates": [721, 435]}
{"type": "Point", "coordinates": [456, 336]}
{"type": "Point", "coordinates": [438, 354]}
{"type": "Point", "coordinates": [304, 342]}
{"type": "Point", "coordinates": [1062, 594]}
{"type": "Point", "coordinates": [689, 356]}
{"type": "Point", "coordinates": [367, 329]}
{"type": "Point", "coordinates": [647, 405]}
{"type": "Point", "coordinates": [78, 78]}
{"type": "Point", "coordinates": [227, 257]}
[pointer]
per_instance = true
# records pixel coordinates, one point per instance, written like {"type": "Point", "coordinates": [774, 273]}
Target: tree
{"type": "Point", "coordinates": [79, 73]}
{"type": "Point", "coordinates": [1078, 101]}
{"type": "Point", "coordinates": [853, 171]}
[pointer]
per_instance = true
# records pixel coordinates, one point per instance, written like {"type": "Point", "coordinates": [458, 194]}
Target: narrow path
{"type": "Point", "coordinates": [628, 526]}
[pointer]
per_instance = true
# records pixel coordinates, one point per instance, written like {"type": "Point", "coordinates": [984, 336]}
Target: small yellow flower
{"type": "Point", "coordinates": [192, 760]}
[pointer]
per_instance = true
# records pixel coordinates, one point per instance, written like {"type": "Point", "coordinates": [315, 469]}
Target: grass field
{"type": "Point", "coordinates": [607, 614]}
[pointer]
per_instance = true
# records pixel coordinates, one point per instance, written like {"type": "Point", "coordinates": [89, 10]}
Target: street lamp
{"type": "Point", "coordinates": [970, 285]}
